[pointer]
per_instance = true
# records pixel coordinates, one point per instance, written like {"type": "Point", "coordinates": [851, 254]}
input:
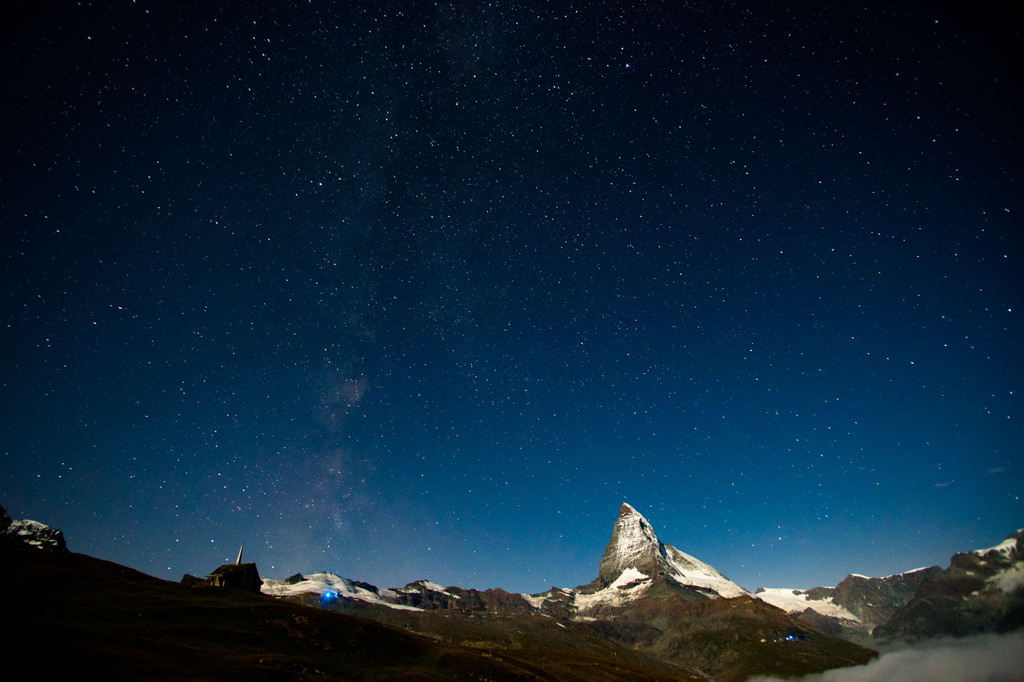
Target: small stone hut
{"type": "Point", "coordinates": [245, 576]}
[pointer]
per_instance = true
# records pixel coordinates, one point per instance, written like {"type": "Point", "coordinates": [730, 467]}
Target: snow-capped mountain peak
{"type": "Point", "coordinates": [634, 545]}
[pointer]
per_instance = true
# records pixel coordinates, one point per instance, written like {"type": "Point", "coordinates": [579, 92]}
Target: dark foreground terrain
{"type": "Point", "coordinates": [70, 614]}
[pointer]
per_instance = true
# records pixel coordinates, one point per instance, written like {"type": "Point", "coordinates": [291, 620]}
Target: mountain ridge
{"type": "Point", "coordinates": [633, 561]}
{"type": "Point", "coordinates": [658, 611]}
{"type": "Point", "coordinates": [981, 591]}
{"type": "Point", "coordinates": [648, 596]}
{"type": "Point", "coordinates": [636, 565]}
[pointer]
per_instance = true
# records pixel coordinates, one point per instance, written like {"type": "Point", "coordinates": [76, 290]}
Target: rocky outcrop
{"type": "Point", "coordinates": [980, 592]}
{"type": "Point", "coordinates": [875, 600]}
{"type": "Point", "coordinates": [426, 595]}
{"type": "Point", "coordinates": [830, 625]}
{"type": "Point", "coordinates": [32, 533]}
{"type": "Point", "coordinates": [855, 606]}
{"type": "Point", "coordinates": [633, 545]}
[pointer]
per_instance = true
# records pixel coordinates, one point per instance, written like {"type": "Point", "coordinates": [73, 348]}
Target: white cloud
{"type": "Point", "coordinates": [984, 658]}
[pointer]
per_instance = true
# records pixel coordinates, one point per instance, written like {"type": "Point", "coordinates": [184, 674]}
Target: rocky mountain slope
{"type": "Point", "coordinates": [32, 533]}
{"type": "Point", "coordinates": [981, 591]}
{"type": "Point", "coordinates": [854, 607]}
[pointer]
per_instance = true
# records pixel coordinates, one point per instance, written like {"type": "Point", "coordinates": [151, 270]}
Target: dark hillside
{"type": "Point", "coordinates": [65, 614]}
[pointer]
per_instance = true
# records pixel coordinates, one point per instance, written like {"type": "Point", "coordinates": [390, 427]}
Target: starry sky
{"type": "Point", "coordinates": [411, 290]}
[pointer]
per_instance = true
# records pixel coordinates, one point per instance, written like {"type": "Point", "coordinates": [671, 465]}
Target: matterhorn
{"type": "Point", "coordinates": [636, 552]}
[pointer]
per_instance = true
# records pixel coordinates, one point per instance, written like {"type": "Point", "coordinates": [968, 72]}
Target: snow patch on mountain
{"type": "Point", "coordinates": [535, 600]}
{"type": "Point", "coordinates": [891, 575]}
{"type": "Point", "coordinates": [688, 570]}
{"type": "Point", "coordinates": [329, 585]}
{"type": "Point", "coordinates": [1005, 548]}
{"type": "Point", "coordinates": [32, 533]}
{"type": "Point", "coordinates": [630, 585]}
{"type": "Point", "coordinates": [430, 586]}
{"type": "Point", "coordinates": [797, 601]}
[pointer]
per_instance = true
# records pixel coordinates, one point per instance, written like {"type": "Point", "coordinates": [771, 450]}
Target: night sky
{"type": "Point", "coordinates": [428, 289]}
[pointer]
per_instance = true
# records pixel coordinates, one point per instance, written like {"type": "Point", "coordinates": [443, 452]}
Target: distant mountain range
{"type": "Point", "coordinates": [648, 597]}
{"type": "Point", "coordinates": [856, 606]}
{"type": "Point", "coordinates": [657, 599]}
{"type": "Point", "coordinates": [655, 612]}
{"type": "Point", "coordinates": [634, 562]}
{"type": "Point", "coordinates": [982, 591]}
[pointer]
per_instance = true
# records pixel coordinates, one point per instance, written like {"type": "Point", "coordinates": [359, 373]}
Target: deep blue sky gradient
{"type": "Point", "coordinates": [426, 290]}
